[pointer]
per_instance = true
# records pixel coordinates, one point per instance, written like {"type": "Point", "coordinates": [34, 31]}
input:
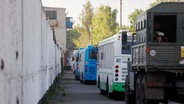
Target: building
{"type": "Point", "coordinates": [69, 22]}
{"type": "Point", "coordinates": [57, 21]}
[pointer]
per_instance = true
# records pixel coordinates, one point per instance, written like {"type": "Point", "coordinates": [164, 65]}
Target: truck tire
{"type": "Point", "coordinates": [140, 90]}
{"type": "Point", "coordinates": [129, 95]}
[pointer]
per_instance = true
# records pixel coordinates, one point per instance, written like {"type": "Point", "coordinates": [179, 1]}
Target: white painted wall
{"type": "Point", "coordinates": [29, 58]}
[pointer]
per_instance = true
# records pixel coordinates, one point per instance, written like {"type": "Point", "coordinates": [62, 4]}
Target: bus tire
{"type": "Point", "coordinates": [98, 82]}
{"type": "Point", "coordinates": [110, 95]}
{"type": "Point", "coordinates": [75, 77]}
{"type": "Point", "coordinates": [80, 77]}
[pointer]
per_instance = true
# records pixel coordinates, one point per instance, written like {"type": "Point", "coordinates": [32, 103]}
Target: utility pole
{"type": "Point", "coordinates": [120, 13]}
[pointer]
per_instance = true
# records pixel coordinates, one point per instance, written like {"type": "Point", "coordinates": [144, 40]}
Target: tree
{"type": "Point", "coordinates": [86, 18]}
{"type": "Point", "coordinates": [132, 17]}
{"type": "Point", "coordinates": [84, 29]}
{"type": "Point", "coordinates": [124, 27]}
{"type": "Point", "coordinates": [103, 23]}
{"type": "Point", "coordinates": [82, 39]}
{"type": "Point", "coordinates": [71, 36]}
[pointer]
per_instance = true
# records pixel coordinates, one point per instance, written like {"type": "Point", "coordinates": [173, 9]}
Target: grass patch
{"type": "Point", "coordinates": [52, 91]}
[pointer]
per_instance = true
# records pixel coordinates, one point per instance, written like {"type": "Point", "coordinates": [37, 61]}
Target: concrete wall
{"type": "Point", "coordinates": [29, 58]}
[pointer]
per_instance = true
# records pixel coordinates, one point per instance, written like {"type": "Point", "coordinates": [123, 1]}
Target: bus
{"type": "Point", "coordinates": [112, 63]}
{"type": "Point", "coordinates": [75, 63]}
{"type": "Point", "coordinates": [87, 64]}
{"type": "Point", "coordinates": [75, 60]}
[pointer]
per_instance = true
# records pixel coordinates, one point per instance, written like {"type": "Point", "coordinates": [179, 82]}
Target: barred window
{"type": "Point", "coordinates": [51, 14]}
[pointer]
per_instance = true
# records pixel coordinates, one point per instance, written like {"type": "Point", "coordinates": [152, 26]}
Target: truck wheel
{"type": "Point", "coordinates": [129, 96]}
{"type": "Point", "coordinates": [140, 90]}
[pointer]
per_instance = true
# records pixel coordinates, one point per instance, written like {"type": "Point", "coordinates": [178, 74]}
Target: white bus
{"type": "Point", "coordinates": [74, 66]}
{"type": "Point", "coordinates": [112, 63]}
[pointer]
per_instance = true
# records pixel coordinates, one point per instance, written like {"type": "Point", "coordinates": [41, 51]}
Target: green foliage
{"type": "Point", "coordinates": [132, 17]}
{"type": "Point", "coordinates": [77, 38]}
{"type": "Point", "coordinates": [124, 27]}
{"type": "Point", "coordinates": [71, 36]}
{"type": "Point", "coordinates": [83, 31]}
{"type": "Point", "coordinates": [86, 20]}
{"type": "Point", "coordinates": [159, 1]}
{"type": "Point", "coordinates": [52, 91]}
{"type": "Point", "coordinates": [83, 39]}
{"type": "Point", "coordinates": [103, 23]}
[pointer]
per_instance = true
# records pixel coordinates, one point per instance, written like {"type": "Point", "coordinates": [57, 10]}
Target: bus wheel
{"type": "Point", "coordinates": [101, 90]}
{"type": "Point", "coordinates": [83, 81]}
{"type": "Point", "coordinates": [81, 78]}
{"type": "Point", "coordinates": [99, 82]}
{"type": "Point", "coordinates": [110, 95]}
{"type": "Point", "coordinates": [76, 77]}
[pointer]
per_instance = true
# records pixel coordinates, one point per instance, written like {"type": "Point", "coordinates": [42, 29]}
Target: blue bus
{"type": "Point", "coordinates": [88, 64]}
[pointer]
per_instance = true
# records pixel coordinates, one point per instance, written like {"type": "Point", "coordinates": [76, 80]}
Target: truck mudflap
{"type": "Point", "coordinates": [154, 93]}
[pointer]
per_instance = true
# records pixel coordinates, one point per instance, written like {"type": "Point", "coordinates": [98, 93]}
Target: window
{"type": "Point", "coordinates": [51, 14]}
{"type": "Point", "coordinates": [127, 48]}
{"type": "Point", "coordinates": [69, 19]}
{"type": "Point", "coordinates": [92, 55]}
{"type": "Point", "coordinates": [79, 58]}
{"type": "Point", "coordinates": [144, 23]}
{"type": "Point", "coordinates": [102, 55]}
{"type": "Point", "coordinates": [139, 26]}
{"type": "Point", "coordinates": [167, 25]}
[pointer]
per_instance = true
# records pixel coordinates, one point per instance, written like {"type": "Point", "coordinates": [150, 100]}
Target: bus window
{"type": "Point", "coordinates": [126, 49]}
{"type": "Point", "coordinates": [77, 58]}
{"type": "Point", "coordinates": [92, 55]}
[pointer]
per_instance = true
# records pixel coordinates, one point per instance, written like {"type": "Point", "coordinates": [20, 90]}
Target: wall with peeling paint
{"type": "Point", "coordinates": [29, 58]}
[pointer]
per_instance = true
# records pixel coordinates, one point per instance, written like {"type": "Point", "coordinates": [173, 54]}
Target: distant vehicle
{"type": "Point", "coordinates": [156, 72]}
{"type": "Point", "coordinates": [112, 63]}
{"type": "Point", "coordinates": [74, 66]}
{"type": "Point", "coordinates": [87, 64]}
{"type": "Point", "coordinates": [75, 61]}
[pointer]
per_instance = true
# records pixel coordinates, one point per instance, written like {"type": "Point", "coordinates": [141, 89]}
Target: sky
{"type": "Point", "coordinates": [74, 7]}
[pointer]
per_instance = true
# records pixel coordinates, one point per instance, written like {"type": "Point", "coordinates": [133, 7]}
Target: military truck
{"type": "Point", "coordinates": [156, 71]}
